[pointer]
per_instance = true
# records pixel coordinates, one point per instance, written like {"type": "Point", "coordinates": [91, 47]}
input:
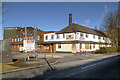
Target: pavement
{"type": "Point", "coordinates": [57, 64]}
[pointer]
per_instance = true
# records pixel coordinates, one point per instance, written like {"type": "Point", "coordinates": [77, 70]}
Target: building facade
{"type": "Point", "coordinates": [74, 38]}
{"type": "Point", "coordinates": [77, 38]}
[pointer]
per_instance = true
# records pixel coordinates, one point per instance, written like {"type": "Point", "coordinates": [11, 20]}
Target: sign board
{"type": "Point", "coordinates": [29, 45]}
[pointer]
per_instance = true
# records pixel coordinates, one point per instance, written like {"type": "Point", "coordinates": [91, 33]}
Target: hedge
{"type": "Point", "coordinates": [107, 50]}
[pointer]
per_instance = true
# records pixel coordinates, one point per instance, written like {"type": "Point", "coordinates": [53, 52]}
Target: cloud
{"type": "Point", "coordinates": [87, 22]}
{"type": "Point", "coordinates": [105, 10]}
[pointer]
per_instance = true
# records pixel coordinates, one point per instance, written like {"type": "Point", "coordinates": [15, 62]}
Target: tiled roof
{"type": "Point", "coordinates": [78, 28]}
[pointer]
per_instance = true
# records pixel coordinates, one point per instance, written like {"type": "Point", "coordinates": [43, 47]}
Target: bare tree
{"type": "Point", "coordinates": [110, 24]}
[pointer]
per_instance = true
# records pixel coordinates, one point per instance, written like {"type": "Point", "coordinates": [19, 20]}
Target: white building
{"type": "Point", "coordinates": [76, 38]}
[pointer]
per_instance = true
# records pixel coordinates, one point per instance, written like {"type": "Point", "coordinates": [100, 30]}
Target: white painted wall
{"type": "Point", "coordinates": [76, 37]}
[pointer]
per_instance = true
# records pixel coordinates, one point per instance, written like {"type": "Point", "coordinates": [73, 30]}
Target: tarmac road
{"type": "Point", "coordinates": [106, 68]}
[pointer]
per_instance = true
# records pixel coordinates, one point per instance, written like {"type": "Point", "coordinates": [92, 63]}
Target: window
{"type": "Point", "coordinates": [14, 46]}
{"type": "Point", "coordinates": [93, 45]}
{"type": "Point", "coordinates": [23, 33]}
{"type": "Point", "coordinates": [58, 36]}
{"type": "Point", "coordinates": [59, 45]}
{"type": "Point", "coordinates": [98, 37]}
{"type": "Point", "coordinates": [15, 39]}
{"type": "Point", "coordinates": [46, 37]}
{"type": "Point", "coordinates": [81, 34]}
{"type": "Point", "coordinates": [32, 37]}
{"type": "Point", "coordinates": [12, 40]}
{"type": "Point", "coordinates": [18, 46]}
{"type": "Point", "coordinates": [18, 39]}
{"type": "Point", "coordinates": [86, 35]}
{"type": "Point", "coordinates": [93, 36]}
{"type": "Point", "coordinates": [80, 46]}
{"type": "Point", "coordinates": [28, 38]}
{"type": "Point", "coordinates": [30, 33]}
{"type": "Point", "coordinates": [103, 38]}
{"type": "Point", "coordinates": [90, 46]}
{"type": "Point", "coordinates": [52, 36]}
{"type": "Point", "coordinates": [38, 37]}
{"type": "Point", "coordinates": [24, 38]}
{"type": "Point", "coordinates": [86, 46]}
{"type": "Point", "coordinates": [63, 35]}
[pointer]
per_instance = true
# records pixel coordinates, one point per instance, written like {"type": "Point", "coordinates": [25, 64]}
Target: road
{"type": "Point", "coordinates": [106, 68]}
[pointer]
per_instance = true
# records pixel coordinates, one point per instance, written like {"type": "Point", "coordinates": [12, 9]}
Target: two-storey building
{"type": "Point", "coordinates": [76, 38]}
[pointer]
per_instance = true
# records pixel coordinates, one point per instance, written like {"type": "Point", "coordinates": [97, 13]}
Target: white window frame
{"type": "Point", "coordinates": [12, 40]}
{"type": "Point", "coordinates": [18, 39]}
{"type": "Point", "coordinates": [52, 36]}
{"type": "Point", "coordinates": [38, 37]}
{"type": "Point", "coordinates": [15, 39]}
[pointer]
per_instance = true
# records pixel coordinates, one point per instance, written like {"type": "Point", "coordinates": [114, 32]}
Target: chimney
{"type": "Point", "coordinates": [70, 19]}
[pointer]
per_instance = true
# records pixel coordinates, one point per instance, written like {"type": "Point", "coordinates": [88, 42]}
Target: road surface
{"type": "Point", "coordinates": [106, 68]}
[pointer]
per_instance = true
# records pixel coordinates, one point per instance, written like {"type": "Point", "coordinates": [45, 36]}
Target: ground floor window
{"type": "Point", "coordinates": [86, 46]}
{"type": "Point", "coordinates": [46, 46]}
{"type": "Point", "coordinates": [93, 45]}
{"type": "Point", "coordinates": [59, 45]}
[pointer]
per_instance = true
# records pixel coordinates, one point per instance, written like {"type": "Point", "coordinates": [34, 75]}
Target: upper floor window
{"type": "Point", "coordinates": [63, 35]}
{"type": "Point", "coordinates": [86, 35]}
{"type": "Point", "coordinates": [52, 36]}
{"type": "Point", "coordinates": [28, 38]}
{"type": "Point", "coordinates": [32, 37]}
{"type": "Point", "coordinates": [93, 36]}
{"type": "Point", "coordinates": [23, 33]}
{"type": "Point", "coordinates": [38, 37]}
{"type": "Point", "coordinates": [81, 34]}
{"type": "Point", "coordinates": [12, 40]}
{"type": "Point", "coordinates": [98, 37]}
{"type": "Point", "coordinates": [103, 38]}
{"type": "Point", "coordinates": [15, 39]}
{"type": "Point", "coordinates": [18, 39]}
{"type": "Point", "coordinates": [58, 36]}
{"type": "Point", "coordinates": [46, 37]}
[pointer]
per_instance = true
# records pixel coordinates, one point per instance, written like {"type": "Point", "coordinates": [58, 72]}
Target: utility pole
{"type": "Point", "coordinates": [25, 39]}
{"type": "Point", "coordinates": [34, 42]}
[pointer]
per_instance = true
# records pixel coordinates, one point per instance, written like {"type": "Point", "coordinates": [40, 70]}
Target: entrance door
{"type": "Point", "coordinates": [73, 48]}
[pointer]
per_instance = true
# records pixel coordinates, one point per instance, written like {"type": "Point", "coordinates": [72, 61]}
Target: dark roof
{"type": "Point", "coordinates": [79, 28]}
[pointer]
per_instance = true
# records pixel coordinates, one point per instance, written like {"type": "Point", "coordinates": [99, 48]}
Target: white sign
{"type": "Point", "coordinates": [21, 48]}
{"type": "Point", "coordinates": [29, 45]}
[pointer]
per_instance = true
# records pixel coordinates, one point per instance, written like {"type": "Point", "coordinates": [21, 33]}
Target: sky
{"type": "Point", "coordinates": [54, 16]}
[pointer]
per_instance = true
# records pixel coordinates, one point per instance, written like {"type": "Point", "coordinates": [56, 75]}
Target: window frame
{"type": "Point", "coordinates": [52, 36]}
{"type": "Point", "coordinates": [46, 37]}
{"type": "Point", "coordinates": [58, 36]}
{"type": "Point", "coordinates": [59, 46]}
